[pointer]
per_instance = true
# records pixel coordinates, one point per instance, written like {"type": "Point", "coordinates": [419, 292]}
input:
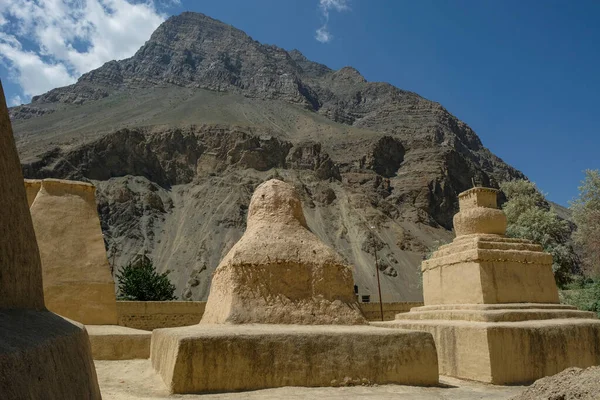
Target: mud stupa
{"type": "Point", "coordinates": [281, 312]}
{"type": "Point", "coordinates": [280, 272]}
{"type": "Point", "coordinates": [42, 356]}
{"type": "Point", "coordinates": [492, 304]}
{"type": "Point", "coordinates": [78, 283]}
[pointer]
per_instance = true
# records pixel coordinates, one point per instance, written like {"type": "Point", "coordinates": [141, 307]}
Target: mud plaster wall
{"type": "Point", "coordinates": [149, 315]}
{"type": "Point", "coordinates": [372, 312]}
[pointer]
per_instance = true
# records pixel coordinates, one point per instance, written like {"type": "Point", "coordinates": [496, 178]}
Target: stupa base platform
{"type": "Point", "coordinates": [114, 342]}
{"type": "Point", "coordinates": [506, 344]}
{"type": "Point", "coordinates": [224, 358]}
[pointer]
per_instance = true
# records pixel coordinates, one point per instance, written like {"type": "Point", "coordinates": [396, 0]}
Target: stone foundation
{"type": "Point", "coordinates": [223, 358]}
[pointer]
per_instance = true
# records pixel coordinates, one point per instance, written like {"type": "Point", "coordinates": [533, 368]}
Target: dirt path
{"type": "Point", "coordinates": [136, 380]}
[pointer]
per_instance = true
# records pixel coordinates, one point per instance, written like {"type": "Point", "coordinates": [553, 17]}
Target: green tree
{"type": "Point", "coordinates": [586, 215]}
{"type": "Point", "coordinates": [139, 281]}
{"type": "Point", "coordinates": [530, 217]}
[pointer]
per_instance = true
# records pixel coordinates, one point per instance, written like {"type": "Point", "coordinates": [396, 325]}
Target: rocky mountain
{"type": "Point", "coordinates": [177, 137]}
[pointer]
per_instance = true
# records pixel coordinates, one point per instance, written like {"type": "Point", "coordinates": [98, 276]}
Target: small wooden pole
{"type": "Point", "coordinates": [378, 283]}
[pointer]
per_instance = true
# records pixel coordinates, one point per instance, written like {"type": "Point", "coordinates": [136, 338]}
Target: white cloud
{"type": "Point", "coordinates": [50, 43]}
{"type": "Point", "coordinates": [337, 5]}
{"type": "Point", "coordinates": [323, 35]}
{"type": "Point", "coordinates": [325, 6]}
{"type": "Point", "coordinates": [16, 100]}
{"type": "Point", "coordinates": [33, 74]}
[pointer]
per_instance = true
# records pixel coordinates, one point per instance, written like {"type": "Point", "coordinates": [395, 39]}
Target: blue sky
{"type": "Point", "coordinates": [523, 74]}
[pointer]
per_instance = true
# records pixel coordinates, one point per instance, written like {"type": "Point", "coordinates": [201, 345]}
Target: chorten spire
{"type": "Point", "coordinates": [479, 213]}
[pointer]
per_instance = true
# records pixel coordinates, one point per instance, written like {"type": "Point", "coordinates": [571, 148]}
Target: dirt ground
{"type": "Point", "coordinates": [136, 380]}
{"type": "Point", "coordinates": [570, 384]}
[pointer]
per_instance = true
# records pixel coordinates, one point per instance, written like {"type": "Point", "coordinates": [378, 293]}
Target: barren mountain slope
{"type": "Point", "coordinates": [178, 136]}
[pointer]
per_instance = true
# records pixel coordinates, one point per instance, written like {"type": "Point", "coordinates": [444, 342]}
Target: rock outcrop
{"type": "Point", "coordinates": [42, 356]}
{"type": "Point", "coordinates": [279, 272]}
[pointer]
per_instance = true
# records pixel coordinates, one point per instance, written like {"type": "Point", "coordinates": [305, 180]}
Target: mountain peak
{"type": "Point", "coordinates": [297, 55]}
{"type": "Point", "coordinates": [349, 74]}
{"type": "Point", "coordinates": [193, 50]}
{"type": "Point", "coordinates": [191, 26]}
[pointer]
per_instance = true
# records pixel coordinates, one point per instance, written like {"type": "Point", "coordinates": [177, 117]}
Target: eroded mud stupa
{"type": "Point", "coordinates": [281, 312]}
{"type": "Point", "coordinates": [492, 304]}
{"type": "Point", "coordinates": [280, 272]}
{"type": "Point", "coordinates": [42, 356]}
{"type": "Point", "coordinates": [78, 283]}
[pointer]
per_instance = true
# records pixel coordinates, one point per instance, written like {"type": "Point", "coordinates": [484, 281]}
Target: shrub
{"type": "Point", "coordinates": [584, 294]}
{"type": "Point", "coordinates": [586, 215]}
{"type": "Point", "coordinates": [139, 281]}
{"type": "Point", "coordinates": [530, 217]}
